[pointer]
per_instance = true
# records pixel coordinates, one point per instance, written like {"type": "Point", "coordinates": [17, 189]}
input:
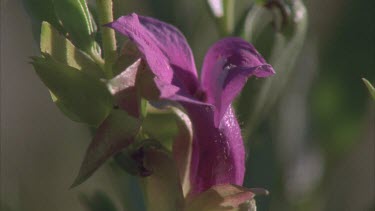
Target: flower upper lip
{"type": "Point", "coordinates": [218, 154]}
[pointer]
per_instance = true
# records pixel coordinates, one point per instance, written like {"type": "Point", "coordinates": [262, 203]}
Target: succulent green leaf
{"type": "Point", "coordinates": [116, 133]}
{"type": "Point", "coordinates": [225, 197]}
{"type": "Point", "coordinates": [76, 19]}
{"type": "Point", "coordinates": [64, 110]}
{"type": "Point", "coordinates": [62, 50]}
{"type": "Point", "coordinates": [78, 92]}
{"type": "Point", "coordinates": [43, 10]}
{"type": "Point", "coordinates": [370, 88]}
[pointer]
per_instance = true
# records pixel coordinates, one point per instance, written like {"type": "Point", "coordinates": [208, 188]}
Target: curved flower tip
{"type": "Point", "coordinates": [217, 155]}
{"type": "Point", "coordinates": [226, 67]}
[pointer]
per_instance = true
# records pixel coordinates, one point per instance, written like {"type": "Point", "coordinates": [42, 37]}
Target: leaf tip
{"type": "Point", "coordinates": [78, 180]}
{"type": "Point", "coordinates": [370, 87]}
{"type": "Point", "coordinates": [259, 191]}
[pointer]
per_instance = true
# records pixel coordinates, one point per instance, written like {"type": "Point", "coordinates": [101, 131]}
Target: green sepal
{"type": "Point", "coordinates": [115, 134]}
{"type": "Point", "coordinates": [175, 134]}
{"type": "Point", "coordinates": [225, 197]}
{"type": "Point", "coordinates": [76, 19]}
{"type": "Point", "coordinates": [83, 95]}
{"type": "Point", "coordinates": [62, 50]}
{"type": "Point", "coordinates": [63, 109]}
{"type": "Point", "coordinates": [162, 188]}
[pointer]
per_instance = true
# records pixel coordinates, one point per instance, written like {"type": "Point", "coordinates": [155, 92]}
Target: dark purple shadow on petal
{"type": "Point", "coordinates": [227, 66]}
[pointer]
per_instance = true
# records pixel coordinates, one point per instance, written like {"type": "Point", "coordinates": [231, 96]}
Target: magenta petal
{"type": "Point", "coordinates": [227, 66]}
{"type": "Point", "coordinates": [218, 155]}
{"type": "Point", "coordinates": [165, 50]}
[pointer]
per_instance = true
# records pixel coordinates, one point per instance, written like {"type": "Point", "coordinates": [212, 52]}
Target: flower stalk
{"type": "Point", "coordinates": [228, 19]}
{"type": "Point", "coordinates": [105, 13]}
{"type": "Point", "coordinates": [223, 13]}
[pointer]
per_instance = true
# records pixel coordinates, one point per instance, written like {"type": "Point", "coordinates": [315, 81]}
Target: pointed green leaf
{"type": "Point", "coordinates": [63, 109]}
{"type": "Point", "coordinates": [81, 94]}
{"type": "Point", "coordinates": [62, 50]}
{"type": "Point", "coordinates": [225, 197]}
{"type": "Point", "coordinates": [117, 132]}
{"type": "Point", "coordinates": [76, 19]}
{"type": "Point", "coordinates": [43, 10]}
{"type": "Point", "coordinates": [370, 88]}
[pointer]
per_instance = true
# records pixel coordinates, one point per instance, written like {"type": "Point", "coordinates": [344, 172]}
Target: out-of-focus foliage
{"type": "Point", "coordinates": [370, 88]}
{"type": "Point", "coordinates": [339, 99]}
{"type": "Point", "coordinates": [99, 201]}
{"type": "Point", "coordinates": [77, 20]}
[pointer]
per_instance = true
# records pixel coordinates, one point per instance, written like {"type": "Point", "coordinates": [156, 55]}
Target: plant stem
{"type": "Point", "coordinates": [97, 58]}
{"type": "Point", "coordinates": [224, 21]}
{"type": "Point", "coordinates": [229, 16]}
{"type": "Point", "coordinates": [105, 14]}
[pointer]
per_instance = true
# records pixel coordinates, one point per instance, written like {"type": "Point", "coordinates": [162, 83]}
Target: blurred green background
{"type": "Point", "coordinates": [313, 151]}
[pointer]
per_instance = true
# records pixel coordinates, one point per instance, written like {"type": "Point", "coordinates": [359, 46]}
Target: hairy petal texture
{"type": "Point", "coordinates": [218, 155]}
{"type": "Point", "coordinates": [226, 67]}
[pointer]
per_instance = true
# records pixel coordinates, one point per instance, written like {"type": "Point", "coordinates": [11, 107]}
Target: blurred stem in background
{"type": "Point", "coordinates": [290, 25]}
{"type": "Point", "coordinates": [223, 12]}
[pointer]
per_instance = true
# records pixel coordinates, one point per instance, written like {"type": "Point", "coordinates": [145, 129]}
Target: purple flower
{"type": "Point", "coordinates": [218, 155]}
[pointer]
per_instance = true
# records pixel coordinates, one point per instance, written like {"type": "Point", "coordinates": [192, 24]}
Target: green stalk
{"type": "Point", "coordinates": [105, 14]}
{"type": "Point", "coordinates": [228, 16]}
{"type": "Point", "coordinates": [225, 23]}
